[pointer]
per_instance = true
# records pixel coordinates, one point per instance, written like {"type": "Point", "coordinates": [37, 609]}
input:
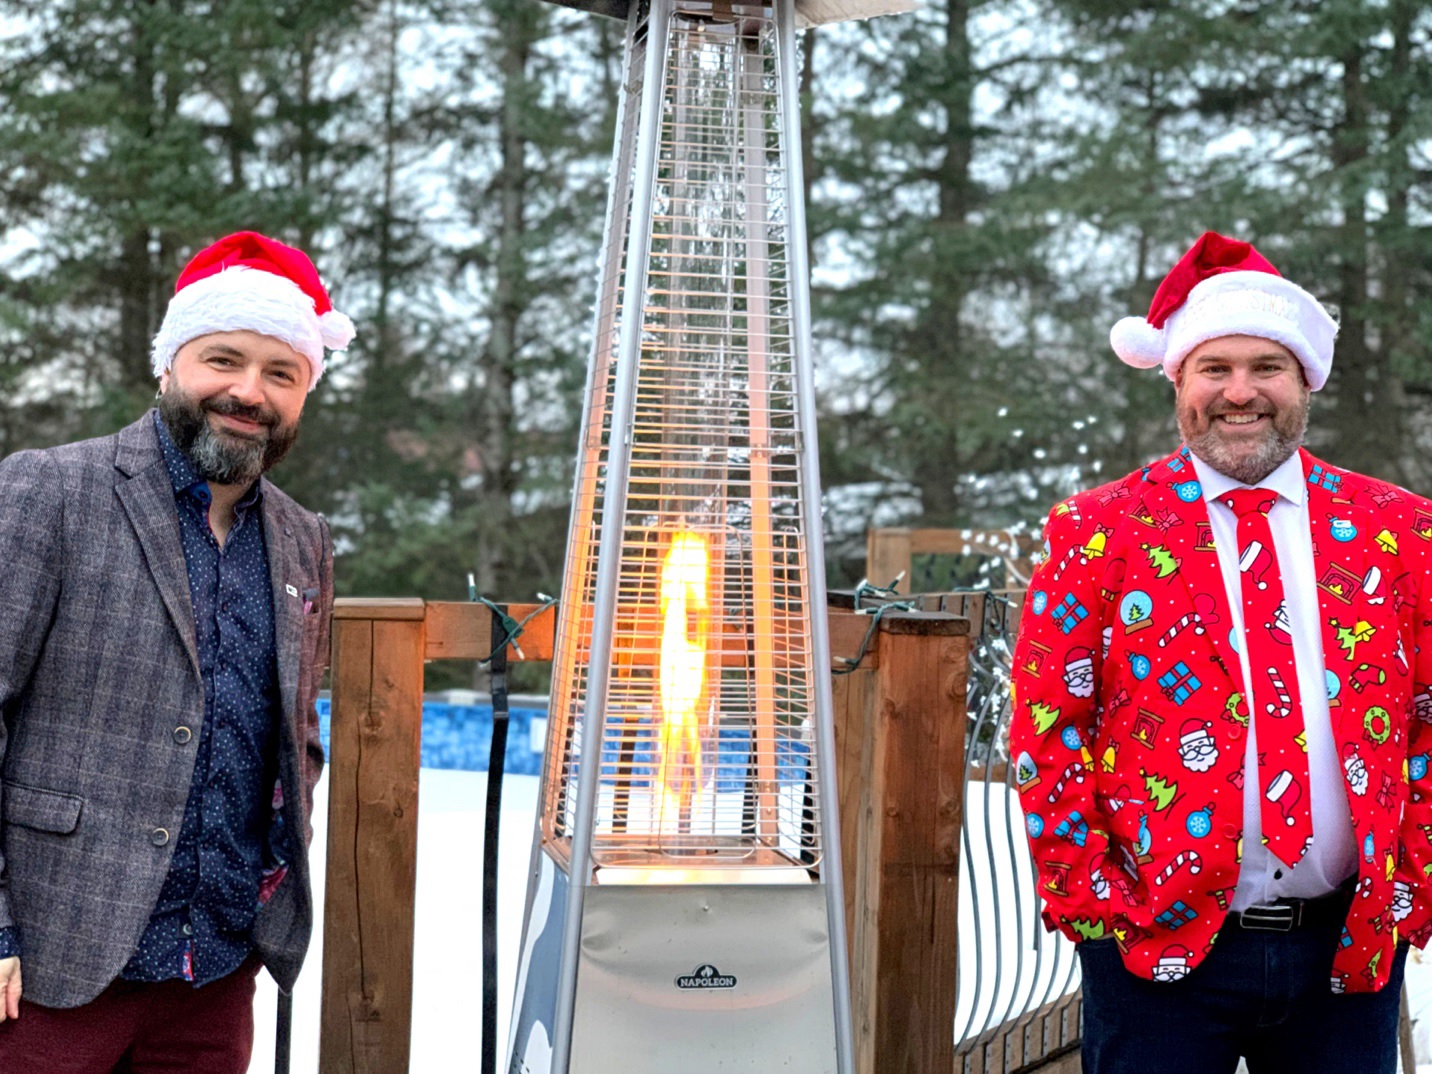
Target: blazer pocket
{"type": "Point", "coordinates": [45, 811]}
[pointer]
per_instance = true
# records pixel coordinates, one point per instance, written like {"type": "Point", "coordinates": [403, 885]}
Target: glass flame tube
{"type": "Point", "coordinates": [683, 689]}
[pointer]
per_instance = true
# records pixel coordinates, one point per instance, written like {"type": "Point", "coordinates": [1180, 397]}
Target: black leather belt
{"type": "Point", "coordinates": [1285, 915]}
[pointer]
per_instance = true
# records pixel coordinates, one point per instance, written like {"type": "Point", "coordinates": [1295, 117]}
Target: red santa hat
{"type": "Point", "coordinates": [247, 281]}
{"type": "Point", "coordinates": [1223, 287]}
{"type": "Point", "coordinates": [1175, 955]}
{"type": "Point", "coordinates": [1193, 732]}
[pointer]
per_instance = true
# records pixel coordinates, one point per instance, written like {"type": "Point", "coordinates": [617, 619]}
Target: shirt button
{"type": "Point", "coordinates": [1232, 831]}
{"type": "Point", "coordinates": [1235, 733]}
{"type": "Point", "coordinates": [159, 837]}
{"type": "Point", "coordinates": [182, 735]}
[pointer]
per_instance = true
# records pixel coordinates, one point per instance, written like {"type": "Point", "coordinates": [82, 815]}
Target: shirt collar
{"type": "Point", "coordinates": [1286, 480]}
{"type": "Point", "coordinates": [185, 480]}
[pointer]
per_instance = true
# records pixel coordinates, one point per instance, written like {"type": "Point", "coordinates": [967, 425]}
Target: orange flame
{"type": "Point", "coordinates": [685, 629]}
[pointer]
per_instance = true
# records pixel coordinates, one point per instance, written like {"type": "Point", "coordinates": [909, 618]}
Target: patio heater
{"type": "Point", "coordinates": [685, 910]}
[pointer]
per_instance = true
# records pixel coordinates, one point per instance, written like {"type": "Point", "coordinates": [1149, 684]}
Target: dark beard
{"type": "Point", "coordinates": [217, 458]}
{"type": "Point", "coordinates": [1285, 436]}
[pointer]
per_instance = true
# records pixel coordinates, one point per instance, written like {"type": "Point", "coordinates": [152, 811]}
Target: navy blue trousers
{"type": "Point", "coordinates": [1264, 996]}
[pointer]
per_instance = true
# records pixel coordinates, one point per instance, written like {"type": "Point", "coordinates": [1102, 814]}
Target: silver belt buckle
{"type": "Point", "coordinates": [1272, 918]}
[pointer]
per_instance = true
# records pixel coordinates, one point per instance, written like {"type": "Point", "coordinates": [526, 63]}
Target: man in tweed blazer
{"type": "Point", "coordinates": [164, 627]}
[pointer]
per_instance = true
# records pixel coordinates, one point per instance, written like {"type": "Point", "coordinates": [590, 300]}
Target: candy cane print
{"type": "Point", "coordinates": [1192, 619]}
{"type": "Point", "coordinates": [1286, 700]}
{"type": "Point", "coordinates": [1074, 771]}
{"type": "Point", "coordinates": [1182, 858]}
{"type": "Point", "coordinates": [1064, 563]}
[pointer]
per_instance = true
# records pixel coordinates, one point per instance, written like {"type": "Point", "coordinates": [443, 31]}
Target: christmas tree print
{"type": "Point", "coordinates": [1161, 559]}
{"type": "Point", "coordinates": [1163, 792]}
{"type": "Point", "coordinates": [1348, 638]}
{"type": "Point", "coordinates": [1043, 716]}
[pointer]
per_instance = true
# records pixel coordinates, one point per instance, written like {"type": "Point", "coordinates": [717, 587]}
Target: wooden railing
{"type": "Point", "coordinates": [900, 722]}
{"type": "Point", "coordinates": [890, 552]}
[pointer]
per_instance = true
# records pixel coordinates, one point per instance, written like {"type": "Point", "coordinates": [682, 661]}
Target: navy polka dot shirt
{"type": "Point", "coordinates": [200, 927]}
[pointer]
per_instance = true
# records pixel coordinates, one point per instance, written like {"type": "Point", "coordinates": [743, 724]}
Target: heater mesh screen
{"type": "Point", "coordinates": [707, 756]}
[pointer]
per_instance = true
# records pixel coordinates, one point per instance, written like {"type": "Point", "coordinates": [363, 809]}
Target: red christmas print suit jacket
{"type": "Point", "coordinates": [1125, 638]}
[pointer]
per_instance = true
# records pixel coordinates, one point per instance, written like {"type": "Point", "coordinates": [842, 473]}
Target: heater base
{"type": "Point", "coordinates": [704, 978]}
{"type": "Point", "coordinates": [680, 979]}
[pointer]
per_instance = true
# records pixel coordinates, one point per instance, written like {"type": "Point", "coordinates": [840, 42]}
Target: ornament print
{"type": "Point", "coordinates": [1131, 717]}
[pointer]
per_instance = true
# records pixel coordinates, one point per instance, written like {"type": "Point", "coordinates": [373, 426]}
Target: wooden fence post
{"type": "Point", "coordinates": [887, 556]}
{"type": "Point", "coordinates": [367, 1006]}
{"type": "Point", "coordinates": [900, 817]}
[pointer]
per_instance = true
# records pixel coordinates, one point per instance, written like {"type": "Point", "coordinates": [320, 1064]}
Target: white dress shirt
{"type": "Point", "coordinates": [1332, 858]}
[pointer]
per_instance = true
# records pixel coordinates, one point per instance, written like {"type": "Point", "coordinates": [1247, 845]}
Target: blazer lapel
{"type": "Point", "coordinates": [1341, 530]}
{"type": "Point", "coordinates": [147, 496]}
{"type": "Point", "coordinates": [285, 571]}
{"type": "Point", "coordinates": [1176, 515]}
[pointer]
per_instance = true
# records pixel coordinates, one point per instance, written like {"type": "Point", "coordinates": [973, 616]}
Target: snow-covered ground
{"type": "Point", "coordinates": [447, 955]}
{"type": "Point", "coordinates": [447, 984]}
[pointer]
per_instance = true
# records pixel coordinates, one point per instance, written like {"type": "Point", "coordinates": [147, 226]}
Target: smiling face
{"type": "Point", "coordinates": [232, 401]}
{"type": "Point", "coordinates": [1242, 405]}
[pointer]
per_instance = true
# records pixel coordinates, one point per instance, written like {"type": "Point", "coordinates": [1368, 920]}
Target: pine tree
{"type": "Point", "coordinates": [129, 136]}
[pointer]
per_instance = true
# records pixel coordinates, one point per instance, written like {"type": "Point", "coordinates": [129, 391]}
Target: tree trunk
{"type": "Point", "coordinates": [136, 276]}
{"type": "Point", "coordinates": [1368, 437]}
{"type": "Point", "coordinates": [941, 368]}
{"type": "Point", "coordinates": [498, 469]}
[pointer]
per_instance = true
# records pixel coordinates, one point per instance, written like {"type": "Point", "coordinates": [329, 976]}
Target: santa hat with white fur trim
{"type": "Point", "coordinates": [249, 282]}
{"type": "Point", "coordinates": [1223, 287]}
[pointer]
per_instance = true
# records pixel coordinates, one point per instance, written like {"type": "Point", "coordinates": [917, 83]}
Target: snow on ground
{"type": "Point", "coordinates": [1018, 961]}
{"type": "Point", "coordinates": [447, 947]}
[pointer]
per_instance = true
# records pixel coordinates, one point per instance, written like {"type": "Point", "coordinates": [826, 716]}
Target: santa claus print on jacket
{"type": "Point", "coordinates": [1128, 724]}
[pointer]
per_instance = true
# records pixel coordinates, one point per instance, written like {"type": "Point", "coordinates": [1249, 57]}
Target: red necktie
{"type": "Point", "coordinates": [1282, 760]}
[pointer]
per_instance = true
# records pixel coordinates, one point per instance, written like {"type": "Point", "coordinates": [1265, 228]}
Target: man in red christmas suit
{"type": "Point", "coordinates": [1223, 683]}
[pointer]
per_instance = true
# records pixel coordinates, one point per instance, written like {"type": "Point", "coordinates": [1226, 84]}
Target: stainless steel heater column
{"type": "Point", "coordinates": [685, 911]}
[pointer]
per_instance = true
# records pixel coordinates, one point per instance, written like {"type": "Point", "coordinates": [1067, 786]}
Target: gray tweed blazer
{"type": "Point", "coordinates": [98, 667]}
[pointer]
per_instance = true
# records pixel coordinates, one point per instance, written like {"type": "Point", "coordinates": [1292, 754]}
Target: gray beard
{"type": "Point", "coordinates": [216, 459]}
{"type": "Point", "coordinates": [1275, 450]}
{"type": "Point", "coordinates": [225, 463]}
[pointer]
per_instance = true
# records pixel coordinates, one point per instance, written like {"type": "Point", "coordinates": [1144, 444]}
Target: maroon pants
{"type": "Point", "coordinates": [138, 1028]}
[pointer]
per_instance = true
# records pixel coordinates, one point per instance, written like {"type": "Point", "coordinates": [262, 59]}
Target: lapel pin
{"type": "Point", "coordinates": [292, 591]}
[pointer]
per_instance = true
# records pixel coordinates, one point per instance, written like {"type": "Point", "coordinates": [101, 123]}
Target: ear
{"type": "Point", "coordinates": [163, 382]}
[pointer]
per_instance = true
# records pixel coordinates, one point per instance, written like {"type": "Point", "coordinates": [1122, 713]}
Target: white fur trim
{"type": "Point", "coordinates": [247, 299]}
{"type": "Point", "coordinates": [1254, 304]}
{"type": "Point", "coordinates": [1234, 304]}
{"type": "Point", "coordinates": [1137, 343]}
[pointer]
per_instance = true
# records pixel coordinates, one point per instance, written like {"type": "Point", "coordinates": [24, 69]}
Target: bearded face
{"type": "Point", "coordinates": [1080, 680]}
{"type": "Point", "coordinates": [217, 452]}
{"type": "Point", "coordinates": [1242, 405]}
{"type": "Point", "coordinates": [1200, 754]}
{"type": "Point", "coordinates": [1356, 774]}
{"type": "Point", "coordinates": [1166, 972]}
{"type": "Point", "coordinates": [1098, 886]}
{"type": "Point", "coordinates": [1422, 707]}
{"type": "Point", "coordinates": [1401, 901]}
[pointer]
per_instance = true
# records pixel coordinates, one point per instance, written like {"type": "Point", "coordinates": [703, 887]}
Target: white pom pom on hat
{"type": "Point", "coordinates": [1137, 342]}
{"type": "Point", "coordinates": [249, 282]}
{"type": "Point", "coordinates": [1224, 287]}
